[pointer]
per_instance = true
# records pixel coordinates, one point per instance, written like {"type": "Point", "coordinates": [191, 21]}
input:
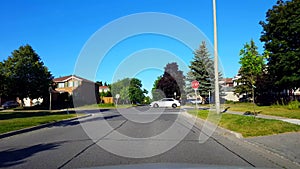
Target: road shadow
{"type": "Point", "coordinates": [12, 157]}
{"type": "Point", "coordinates": [75, 122]}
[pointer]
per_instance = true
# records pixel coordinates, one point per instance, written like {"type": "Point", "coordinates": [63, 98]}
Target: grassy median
{"type": "Point", "coordinates": [15, 120]}
{"type": "Point", "coordinates": [249, 126]}
{"type": "Point", "coordinates": [274, 110]}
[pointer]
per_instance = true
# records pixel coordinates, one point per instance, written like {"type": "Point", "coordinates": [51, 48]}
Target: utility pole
{"type": "Point", "coordinates": [217, 95]}
{"type": "Point", "coordinates": [50, 98]}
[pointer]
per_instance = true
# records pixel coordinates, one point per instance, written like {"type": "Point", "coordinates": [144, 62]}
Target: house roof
{"type": "Point", "coordinates": [66, 78]}
{"type": "Point", "coordinates": [103, 87]}
{"type": "Point", "coordinates": [228, 80]}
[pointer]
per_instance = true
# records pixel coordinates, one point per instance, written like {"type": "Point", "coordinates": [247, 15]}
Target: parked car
{"type": "Point", "coordinates": [10, 104]}
{"type": "Point", "coordinates": [198, 101]}
{"type": "Point", "coordinates": [166, 102]}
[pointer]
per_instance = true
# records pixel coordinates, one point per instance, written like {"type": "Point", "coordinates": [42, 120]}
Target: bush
{"type": "Point", "coordinates": [294, 105]}
{"type": "Point", "coordinates": [229, 102]}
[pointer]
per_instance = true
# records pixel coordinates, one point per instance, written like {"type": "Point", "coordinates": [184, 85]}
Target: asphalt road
{"type": "Point", "coordinates": [131, 136]}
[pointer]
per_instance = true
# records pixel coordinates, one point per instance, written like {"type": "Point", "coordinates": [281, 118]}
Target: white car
{"type": "Point", "coordinates": [166, 102]}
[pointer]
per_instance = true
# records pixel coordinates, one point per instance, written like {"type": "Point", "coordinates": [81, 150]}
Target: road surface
{"type": "Point", "coordinates": [94, 142]}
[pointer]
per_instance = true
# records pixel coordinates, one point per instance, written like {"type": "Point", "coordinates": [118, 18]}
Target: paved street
{"type": "Point", "coordinates": [126, 137]}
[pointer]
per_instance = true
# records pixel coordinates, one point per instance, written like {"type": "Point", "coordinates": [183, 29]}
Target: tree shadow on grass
{"type": "Point", "coordinates": [12, 157]}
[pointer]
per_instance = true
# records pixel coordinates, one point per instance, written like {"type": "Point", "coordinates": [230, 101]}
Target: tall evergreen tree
{"type": "Point", "coordinates": [201, 69]}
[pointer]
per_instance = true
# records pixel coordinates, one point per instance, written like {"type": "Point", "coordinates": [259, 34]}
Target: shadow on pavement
{"type": "Point", "coordinates": [76, 122]}
{"type": "Point", "coordinates": [13, 157]}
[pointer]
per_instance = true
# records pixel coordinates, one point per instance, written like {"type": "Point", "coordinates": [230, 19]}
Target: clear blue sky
{"type": "Point", "coordinates": [58, 30]}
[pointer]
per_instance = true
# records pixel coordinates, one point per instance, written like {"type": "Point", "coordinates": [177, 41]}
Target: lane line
{"type": "Point", "coordinates": [89, 146]}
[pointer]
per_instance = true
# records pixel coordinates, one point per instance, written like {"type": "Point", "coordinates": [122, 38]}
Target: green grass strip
{"type": "Point", "coordinates": [11, 121]}
{"type": "Point", "coordinates": [275, 110]}
{"type": "Point", "coordinates": [250, 126]}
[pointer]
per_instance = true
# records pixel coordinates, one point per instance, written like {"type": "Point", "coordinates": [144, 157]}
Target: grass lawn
{"type": "Point", "coordinates": [15, 120]}
{"type": "Point", "coordinates": [282, 111]}
{"type": "Point", "coordinates": [249, 126]}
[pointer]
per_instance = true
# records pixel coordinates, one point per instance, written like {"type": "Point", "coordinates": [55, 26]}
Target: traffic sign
{"type": "Point", "coordinates": [195, 84]}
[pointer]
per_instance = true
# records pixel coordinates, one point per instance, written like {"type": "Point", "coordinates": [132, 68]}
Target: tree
{"type": "Point", "coordinates": [129, 90]}
{"type": "Point", "coordinates": [121, 87]}
{"type": "Point", "coordinates": [124, 94]}
{"type": "Point", "coordinates": [252, 64]}
{"type": "Point", "coordinates": [281, 32]}
{"type": "Point", "coordinates": [26, 75]}
{"type": "Point", "coordinates": [136, 93]}
{"type": "Point", "coordinates": [3, 83]}
{"type": "Point", "coordinates": [172, 81]}
{"type": "Point", "coordinates": [156, 93]}
{"type": "Point", "coordinates": [100, 83]}
{"type": "Point", "coordinates": [201, 69]}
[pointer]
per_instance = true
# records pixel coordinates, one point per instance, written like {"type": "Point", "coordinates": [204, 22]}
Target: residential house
{"type": "Point", "coordinates": [83, 91]}
{"type": "Point", "coordinates": [228, 89]}
{"type": "Point", "coordinates": [68, 83]}
{"type": "Point", "coordinates": [103, 89]}
{"type": "Point", "coordinates": [106, 99]}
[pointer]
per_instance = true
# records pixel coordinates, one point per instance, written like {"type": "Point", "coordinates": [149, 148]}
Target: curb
{"type": "Point", "coordinates": [29, 129]}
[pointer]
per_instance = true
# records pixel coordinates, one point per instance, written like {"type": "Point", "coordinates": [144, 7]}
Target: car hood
{"type": "Point", "coordinates": [169, 166]}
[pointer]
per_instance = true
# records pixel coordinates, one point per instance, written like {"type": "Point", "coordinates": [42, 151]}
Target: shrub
{"type": "Point", "coordinates": [294, 105]}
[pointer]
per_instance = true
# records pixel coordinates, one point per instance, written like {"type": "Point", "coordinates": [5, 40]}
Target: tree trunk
{"type": "Point", "coordinates": [253, 101]}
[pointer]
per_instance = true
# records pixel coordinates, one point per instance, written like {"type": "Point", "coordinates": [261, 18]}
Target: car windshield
{"type": "Point", "coordinates": [150, 84]}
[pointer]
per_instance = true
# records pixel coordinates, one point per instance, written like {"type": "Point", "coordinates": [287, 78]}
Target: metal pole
{"type": "Point", "coordinates": [50, 100]}
{"type": "Point", "coordinates": [196, 99]}
{"type": "Point", "coordinates": [217, 96]}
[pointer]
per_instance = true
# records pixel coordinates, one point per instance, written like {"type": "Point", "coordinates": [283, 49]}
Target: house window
{"type": "Point", "coordinates": [70, 84]}
{"type": "Point", "coordinates": [75, 83]}
{"type": "Point", "coordinates": [60, 85]}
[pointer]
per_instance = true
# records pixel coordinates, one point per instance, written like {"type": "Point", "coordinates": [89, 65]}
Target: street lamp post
{"type": "Point", "coordinates": [217, 96]}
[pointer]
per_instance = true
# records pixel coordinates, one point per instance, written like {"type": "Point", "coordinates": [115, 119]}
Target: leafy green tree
{"type": "Point", "coordinates": [281, 32]}
{"type": "Point", "coordinates": [172, 81]}
{"type": "Point", "coordinates": [136, 93]}
{"type": "Point", "coordinates": [156, 93]}
{"type": "Point", "coordinates": [252, 64]}
{"type": "Point", "coordinates": [130, 90]}
{"type": "Point", "coordinates": [121, 87]}
{"type": "Point", "coordinates": [3, 83]}
{"type": "Point", "coordinates": [147, 100]}
{"type": "Point", "coordinates": [124, 94]}
{"type": "Point", "coordinates": [26, 74]}
{"type": "Point", "coordinates": [201, 69]}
